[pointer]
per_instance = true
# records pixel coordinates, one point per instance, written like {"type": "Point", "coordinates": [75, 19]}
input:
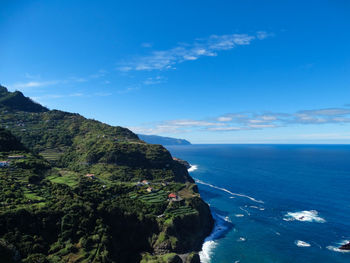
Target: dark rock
{"type": "Point", "coordinates": [191, 230]}
{"type": "Point", "coordinates": [345, 247]}
{"type": "Point", "coordinates": [183, 162]}
{"type": "Point", "coordinates": [193, 258]}
{"type": "Point", "coordinates": [175, 259]}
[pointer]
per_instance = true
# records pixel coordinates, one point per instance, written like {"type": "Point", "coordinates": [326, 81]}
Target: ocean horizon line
{"type": "Point", "coordinates": [256, 143]}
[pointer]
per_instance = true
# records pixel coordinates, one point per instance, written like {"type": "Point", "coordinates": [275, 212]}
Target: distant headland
{"type": "Point", "coordinates": [155, 139]}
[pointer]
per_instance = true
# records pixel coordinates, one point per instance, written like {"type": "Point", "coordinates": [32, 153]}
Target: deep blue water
{"type": "Point", "coordinates": [274, 180]}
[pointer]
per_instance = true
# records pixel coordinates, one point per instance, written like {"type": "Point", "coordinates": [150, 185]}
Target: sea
{"type": "Point", "coordinates": [273, 203]}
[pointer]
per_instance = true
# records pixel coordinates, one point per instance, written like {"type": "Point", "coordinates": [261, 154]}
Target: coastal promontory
{"type": "Point", "coordinates": [78, 190]}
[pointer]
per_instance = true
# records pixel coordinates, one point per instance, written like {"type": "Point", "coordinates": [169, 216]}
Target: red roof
{"type": "Point", "coordinates": [90, 175]}
{"type": "Point", "coordinates": [172, 195]}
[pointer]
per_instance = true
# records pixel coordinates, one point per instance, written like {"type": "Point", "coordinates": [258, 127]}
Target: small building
{"type": "Point", "coordinates": [149, 189]}
{"type": "Point", "coordinates": [173, 197]}
{"type": "Point", "coordinates": [145, 182]}
{"type": "Point", "coordinates": [16, 157]}
{"type": "Point", "coordinates": [4, 164]}
{"type": "Point", "coordinates": [91, 176]}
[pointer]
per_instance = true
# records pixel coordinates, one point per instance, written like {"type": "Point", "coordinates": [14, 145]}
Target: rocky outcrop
{"type": "Point", "coordinates": [186, 233]}
{"type": "Point", "coordinates": [183, 162]}
{"type": "Point", "coordinates": [345, 247]}
{"type": "Point", "coordinates": [193, 258]}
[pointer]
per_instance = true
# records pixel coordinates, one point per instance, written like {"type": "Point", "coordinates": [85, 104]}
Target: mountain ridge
{"type": "Point", "coordinates": [17, 101]}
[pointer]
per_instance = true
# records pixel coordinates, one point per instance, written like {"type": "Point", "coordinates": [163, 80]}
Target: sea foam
{"type": "Point", "coordinates": [192, 168]}
{"type": "Point", "coordinates": [337, 249]}
{"type": "Point", "coordinates": [247, 212]}
{"type": "Point", "coordinates": [228, 191]}
{"type": "Point", "coordinates": [207, 251]}
{"type": "Point", "coordinates": [304, 216]}
{"type": "Point", "coordinates": [239, 215]}
{"type": "Point", "coordinates": [300, 243]}
{"type": "Point", "coordinates": [221, 227]}
{"type": "Point", "coordinates": [241, 239]}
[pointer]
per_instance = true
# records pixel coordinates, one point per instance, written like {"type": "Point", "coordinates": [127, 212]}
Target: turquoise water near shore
{"type": "Point", "coordinates": [273, 203]}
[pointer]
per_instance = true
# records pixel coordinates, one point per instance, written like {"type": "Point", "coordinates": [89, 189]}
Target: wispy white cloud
{"type": "Point", "coordinates": [100, 73]}
{"type": "Point", "coordinates": [56, 96]}
{"type": "Point", "coordinates": [146, 45]}
{"type": "Point", "coordinates": [46, 97]}
{"type": "Point", "coordinates": [263, 34]}
{"type": "Point", "coordinates": [230, 128]}
{"type": "Point", "coordinates": [159, 129]}
{"type": "Point", "coordinates": [224, 119]}
{"type": "Point", "coordinates": [33, 84]}
{"type": "Point", "coordinates": [128, 89]}
{"type": "Point", "coordinates": [260, 126]}
{"type": "Point", "coordinates": [31, 76]}
{"type": "Point", "coordinates": [251, 121]}
{"type": "Point", "coordinates": [103, 94]}
{"type": "Point", "coordinates": [326, 112]}
{"type": "Point", "coordinates": [193, 123]}
{"type": "Point", "coordinates": [203, 47]}
{"type": "Point", "coordinates": [35, 81]}
{"type": "Point", "coordinates": [75, 79]}
{"type": "Point", "coordinates": [154, 80]}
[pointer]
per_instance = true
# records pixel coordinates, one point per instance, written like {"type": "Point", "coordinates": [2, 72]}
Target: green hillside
{"type": "Point", "coordinates": [17, 101]}
{"type": "Point", "coordinates": [51, 211]}
{"type": "Point", "coordinates": [8, 142]}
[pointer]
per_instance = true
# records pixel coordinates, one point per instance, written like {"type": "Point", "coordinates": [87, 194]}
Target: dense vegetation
{"type": "Point", "coordinates": [8, 142]}
{"type": "Point", "coordinates": [17, 101]}
{"type": "Point", "coordinates": [51, 211]}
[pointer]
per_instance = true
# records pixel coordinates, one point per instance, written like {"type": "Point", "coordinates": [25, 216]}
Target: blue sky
{"type": "Point", "coordinates": [208, 71]}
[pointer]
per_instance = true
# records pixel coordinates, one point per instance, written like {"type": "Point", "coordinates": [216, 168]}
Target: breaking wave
{"type": "Point", "coordinates": [304, 216]}
{"type": "Point", "coordinates": [192, 168]}
{"type": "Point", "coordinates": [337, 249]}
{"type": "Point", "coordinates": [221, 227]}
{"type": "Point", "coordinates": [300, 243]}
{"type": "Point", "coordinates": [229, 192]}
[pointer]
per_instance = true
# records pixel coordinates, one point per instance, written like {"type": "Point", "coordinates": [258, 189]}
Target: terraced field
{"type": "Point", "coordinates": [30, 195]}
{"type": "Point", "coordinates": [180, 211]}
{"type": "Point", "coordinates": [151, 198]}
{"type": "Point", "coordinates": [51, 154]}
{"type": "Point", "coordinates": [68, 178]}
